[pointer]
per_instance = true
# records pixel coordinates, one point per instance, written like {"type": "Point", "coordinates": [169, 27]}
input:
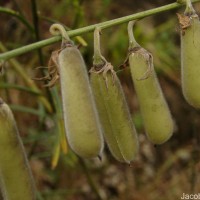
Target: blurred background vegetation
{"type": "Point", "coordinates": [159, 172]}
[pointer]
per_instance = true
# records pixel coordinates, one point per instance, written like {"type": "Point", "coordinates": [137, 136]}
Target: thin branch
{"type": "Point", "coordinates": [18, 87]}
{"type": "Point", "coordinates": [37, 38]}
{"type": "Point", "coordinates": [36, 29]}
{"type": "Point", "coordinates": [90, 179]}
{"type": "Point", "coordinates": [80, 31]}
{"type": "Point", "coordinates": [17, 15]}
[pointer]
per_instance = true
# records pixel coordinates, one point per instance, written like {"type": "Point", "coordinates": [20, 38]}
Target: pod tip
{"type": "Point", "coordinates": [100, 157]}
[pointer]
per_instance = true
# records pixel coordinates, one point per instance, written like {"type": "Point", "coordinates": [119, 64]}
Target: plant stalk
{"type": "Point", "coordinates": [90, 179]}
{"type": "Point", "coordinates": [80, 31]}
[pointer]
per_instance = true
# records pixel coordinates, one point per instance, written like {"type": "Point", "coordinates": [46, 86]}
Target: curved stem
{"type": "Point", "coordinates": [80, 31]}
{"type": "Point", "coordinates": [132, 42]}
{"type": "Point", "coordinates": [58, 29]}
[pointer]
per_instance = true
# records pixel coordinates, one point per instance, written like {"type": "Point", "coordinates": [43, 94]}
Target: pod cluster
{"type": "Point", "coordinates": [95, 108]}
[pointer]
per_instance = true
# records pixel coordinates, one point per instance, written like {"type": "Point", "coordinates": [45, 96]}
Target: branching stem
{"type": "Point", "coordinates": [80, 31]}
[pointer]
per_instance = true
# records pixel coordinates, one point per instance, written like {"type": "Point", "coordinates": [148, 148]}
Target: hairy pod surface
{"type": "Point", "coordinates": [119, 130]}
{"type": "Point", "coordinates": [15, 176]}
{"type": "Point", "coordinates": [82, 124]}
{"type": "Point", "coordinates": [190, 60]}
{"type": "Point", "coordinates": [157, 118]}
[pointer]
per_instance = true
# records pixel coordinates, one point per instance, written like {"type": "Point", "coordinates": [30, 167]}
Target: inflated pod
{"type": "Point", "coordinates": [190, 56]}
{"type": "Point", "coordinates": [15, 176]}
{"type": "Point", "coordinates": [81, 120]}
{"type": "Point", "coordinates": [119, 131]}
{"type": "Point", "coordinates": [157, 118]}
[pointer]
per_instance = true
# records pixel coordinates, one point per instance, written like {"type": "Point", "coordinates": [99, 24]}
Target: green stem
{"type": "Point", "coordinates": [90, 179]}
{"type": "Point", "coordinates": [37, 38]}
{"type": "Point", "coordinates": [97, 49]}
{"type": "Point", "coordinates": [58, 29]}
{"type": "Point", "coordinates": [36, 27]}
{"type": "Point", "coordinates": [98, 59]}
{"type": "Point", "coordinates": [18, 87]}
{"type": "Point", "coordinates": [78, 14]}
{"type": "Point", "coordinates": [24, 109]}
{"type": "Point", "coordinates": [132, 42]}
{"type": "Point", "coordinates": [80, 31]}
{"type": "Point", "coordinates": [18, 16]}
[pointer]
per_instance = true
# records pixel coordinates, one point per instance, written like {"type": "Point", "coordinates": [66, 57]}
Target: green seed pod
{"type": "Point", "coordinates": [157, 118]}
{"type": "Point", "coordinates": [81, 120]}
{"type": "Point", "coordinates": [119, 131]}
{"type": "Point", "coordinates": [15, 176]}
{"type": "Point", "coordinates": [190, 59]}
